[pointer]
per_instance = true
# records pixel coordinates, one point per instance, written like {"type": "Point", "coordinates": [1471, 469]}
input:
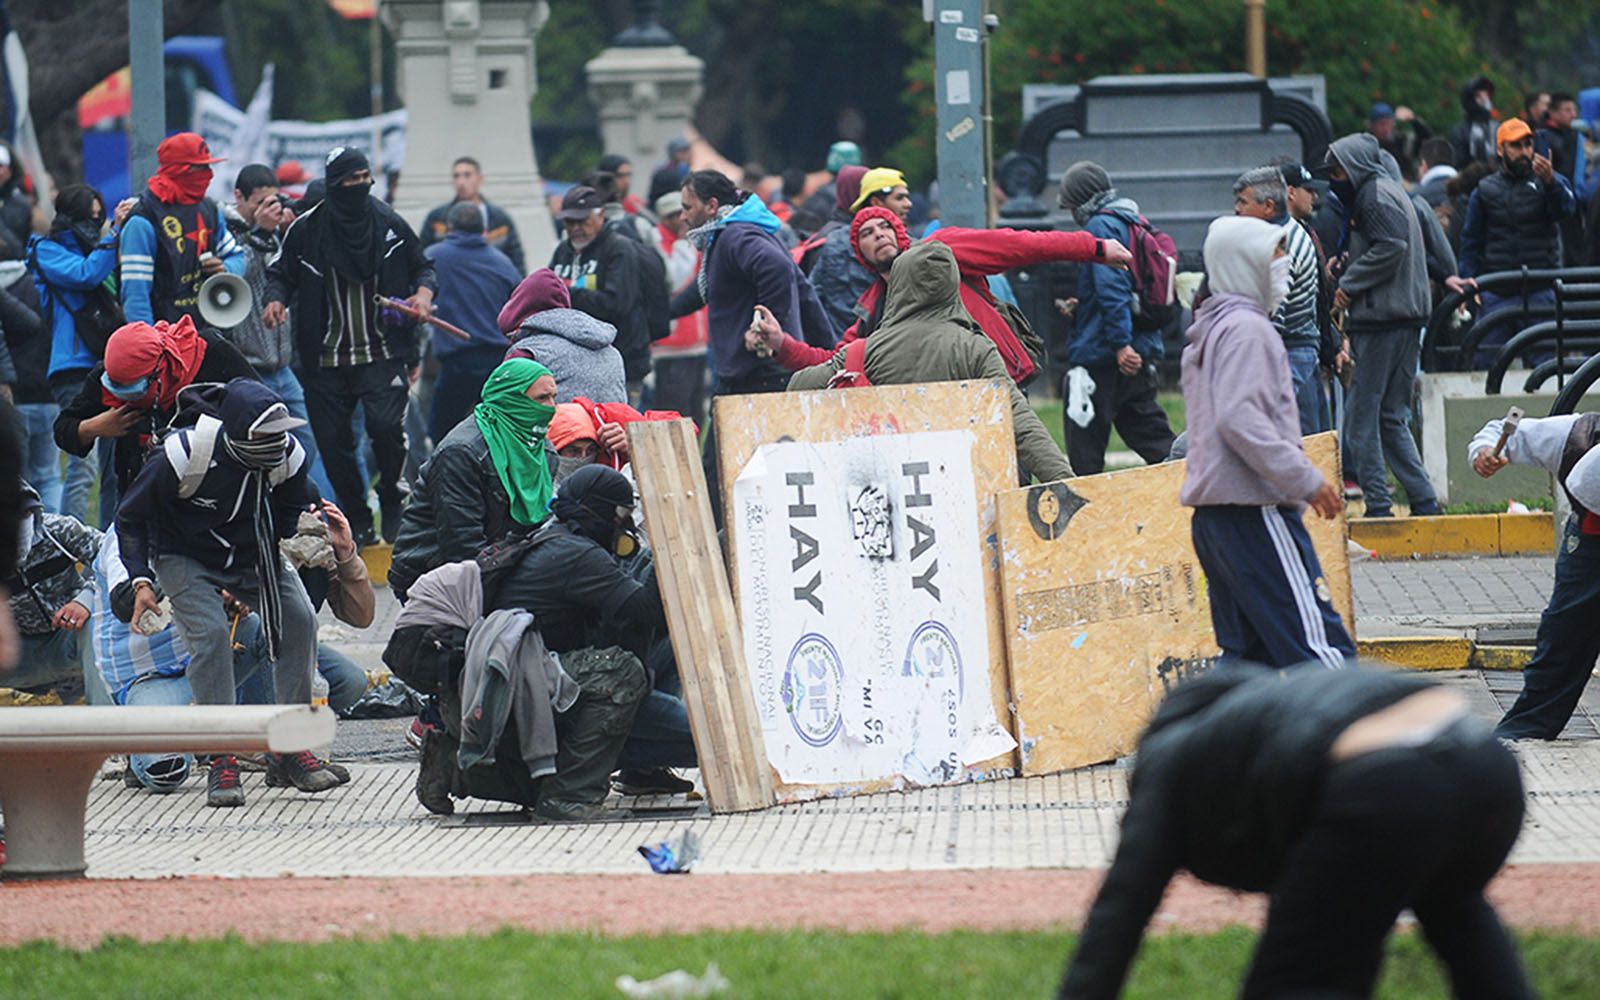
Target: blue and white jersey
{"type": "Point", "coordinates": [123, 655]}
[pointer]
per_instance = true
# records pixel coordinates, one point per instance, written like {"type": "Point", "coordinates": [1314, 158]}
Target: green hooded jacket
{"type": "Point", "coordinates": [926, 335]}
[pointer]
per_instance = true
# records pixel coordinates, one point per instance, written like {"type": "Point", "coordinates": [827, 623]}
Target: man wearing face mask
{"type": "Point", "coordinates": [1473, 137]}
{"type": "Point", "coordinates": [176, 237]}
{"type": "Point", "coordinates": [336, 257]}
{"type": "Point", "coordinates": [1513, 219]}
{"type": "Point", "coordinates": [1248, 478]}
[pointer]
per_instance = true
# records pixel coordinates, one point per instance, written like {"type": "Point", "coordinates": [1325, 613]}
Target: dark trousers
{"type": "Point", "coordinates": [708, 435]}
{"type": "Point", "coordinates": [1567, 646]}
{"type": "Point", "coordinates": [459, 387]}
{"type": "Point", "coordinates": [1270, 603]}
{"type": "Point", "coordinates": [1129, 403]}
{"type": "Point", "coordinates": [1422, 827]}
{"type": "Point", "coordinates": [1377, 417]}
{"type": "Point", "coordinates": [332, 395]}
{"type": "Point", "coordinates": [680, 385]}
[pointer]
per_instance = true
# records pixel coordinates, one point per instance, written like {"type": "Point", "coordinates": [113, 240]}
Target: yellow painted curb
{"type": "Point", "coordinates": [1418, 652]}
{"type": "Point", "coordinates": [1501, 657]}
{"type": "Point", "coordinates": [377, 559]}
{"type": "Point", "coordinates": [1456, 535]}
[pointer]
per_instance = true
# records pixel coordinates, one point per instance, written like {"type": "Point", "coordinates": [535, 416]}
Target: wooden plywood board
{"type": "Point", "coordinates": [746, 423]}
{"type": "Point", "coordinates": [701, 617]}
{"type": "Point", "coordinates": [1105, 605]}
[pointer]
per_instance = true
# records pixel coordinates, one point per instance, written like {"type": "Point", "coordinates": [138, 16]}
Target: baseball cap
{"type": "Point", "coordinates": [1512, 130]}
{"type": "Point", "coordinates": [1380, 111]}
{"type": "Point", "coordinates": [877, 181]}
{"type": "Point", "coordinates": [580, 202]}
{"type": "Point", "coordinates": [669, 203]}
{"type": "Point", "coordinates": [1295, 175]}
{"type": "Point", "coordinates": [185, 147]}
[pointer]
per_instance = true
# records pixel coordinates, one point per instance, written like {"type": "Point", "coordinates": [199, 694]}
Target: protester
{"type": "Point", "coordinates": [878, 237]}
{"type": "Point", "coordinates": [1437, 164]}
{"type": "Point", "coordinates": [838, 274]}
{"type": "Point", "coordinates": [1261, 194]}
{"type": "Point", "coordinates": [1247, 475]}
{"type": "Point", "coordinates": [71, 266]}
{"type": "Point", "coordinates": [466, 177]}
{"type": "Point", "coordinates": [1473, 138]}
{"type": "Point", "coordinates": [28, 341]}
{"type": "Point", "coordinates": [16, 211]}
{"type": "Point", "coordinates": [841, 154]}
{"type": "Point", "coordinates": [489, 478]}
{"type": "Point", "coordinates": [1535, 105]}
{"type": "Point", "coordinates": [927, 336]}
{"type": "Point", "coordinates": [475, 280]}
{"type": "Point", "coordinates": [206, 515]}
{"type": "Point", "coordinates": [577, 349]}
{"type": "Point", "coordinates": [335, 259]}
{"type": "Point", "coordinates": [621, 170]}
{"type": "Point", "coordinates": [1116, 353]}
{"type": "Point", "coordinates": [1568, 643]}
{"type": "Point", "coordinates": [258, 218]}
{"type": "Point", "coordinates": [131, 397]}
{"type": "Point", "coordinates": [1333, 347]}
{"type": "Point", "coordinates": [50, 602]}
{"type": "Point", "coordinates": [1441, 260]}
{"type": "Point", "coordinates": [603, 276]}
{"type": "Point", "coordinates": [1383, 293]}
{"type": "Point", "coordinates": [1350, 797]}
{"type": "Point", "coordinates": [678, 362]}
{"type": "Point", "coordinates": [1401, 143]}
{"type": "Point", "coordinates": [1569, 158]}
{"type": "Point", "coordinates": [175, 237]}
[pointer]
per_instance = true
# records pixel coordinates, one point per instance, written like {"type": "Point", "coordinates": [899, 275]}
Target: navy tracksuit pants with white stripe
{"type": "Point", "coordinates": [1269, 600]}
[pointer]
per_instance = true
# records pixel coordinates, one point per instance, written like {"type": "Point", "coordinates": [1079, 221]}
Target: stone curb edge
{"type": "Point", "coordinates": [1456, 535]}
{"type": "Point", "coordinates": [1443, 653]}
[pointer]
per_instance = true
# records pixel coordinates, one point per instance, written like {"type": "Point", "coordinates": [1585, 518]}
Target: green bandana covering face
{"type": "Point", "coordinates": [515, 427]}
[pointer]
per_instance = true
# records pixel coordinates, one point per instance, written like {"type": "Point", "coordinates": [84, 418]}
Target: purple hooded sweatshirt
{"type": "Point", "coordinates": [1243, 424]}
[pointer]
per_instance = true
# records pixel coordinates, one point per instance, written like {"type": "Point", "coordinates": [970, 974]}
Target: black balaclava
{"type": "Point", "coordinates": [76, 214]}
{"type": "Point", "coordinates": [597, 503]}
{"type": "Point", "coordinates": [352, 239]}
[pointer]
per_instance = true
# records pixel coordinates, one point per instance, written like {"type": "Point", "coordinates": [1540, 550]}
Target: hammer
{"type": "Point", "coordinates": [1508, 427]}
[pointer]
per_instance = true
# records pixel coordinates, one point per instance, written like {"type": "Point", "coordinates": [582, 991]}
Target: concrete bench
{"type": "Point", "coordinates": [49, 758]}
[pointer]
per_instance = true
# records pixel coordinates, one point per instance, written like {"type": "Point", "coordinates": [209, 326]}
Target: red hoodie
{"type": "Point", "coordinates": [979, 253]}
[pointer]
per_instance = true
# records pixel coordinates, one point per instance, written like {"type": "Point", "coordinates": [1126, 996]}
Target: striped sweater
{"type": "Point", "coordinates": [1296, 317]}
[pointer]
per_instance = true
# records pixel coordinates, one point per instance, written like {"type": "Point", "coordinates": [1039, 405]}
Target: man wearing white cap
{"type": "Point", "coordinates": [1568, 643]}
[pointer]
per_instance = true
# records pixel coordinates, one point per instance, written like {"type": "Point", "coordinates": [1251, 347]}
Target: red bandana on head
{"type": "Point", "coordinates": [865, 216]}
{"type": "Point", "coordinates": [170, 353]}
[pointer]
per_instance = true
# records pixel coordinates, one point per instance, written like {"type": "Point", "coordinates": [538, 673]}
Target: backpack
{"type": "Point", "coordinates": [1031, 343]}
{"type": "Point", "coordinates": [804, 254]}
{"type": "Point", "coordinates": [1154, 268]}
{"type": "Point", "coordinates": [653, 293]}
{"type": "Point", "coordinates": [97, 319]}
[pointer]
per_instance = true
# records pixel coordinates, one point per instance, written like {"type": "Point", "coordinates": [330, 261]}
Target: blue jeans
{"type": "Point", "coordinates": [288, 388]}
{"type": "Point", "coordinates": [346, 681]}
{"type": "Point", "coordinates": [64, 386]}
{"type": "Point", "coordinates": [41, 463]}
{"type": "Point", "coordinates": [1308, 389]}
{"type": "Point", "coordinates": [53, 658]}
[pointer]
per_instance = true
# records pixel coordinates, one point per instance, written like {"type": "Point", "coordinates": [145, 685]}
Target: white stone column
{"type": "Point", "coordinates": [645, 88]}
{"type": "Point", "coordinates": [466, 74]}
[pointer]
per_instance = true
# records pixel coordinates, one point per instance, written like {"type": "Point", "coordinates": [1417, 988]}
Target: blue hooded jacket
{"type": "Point", "coordinates": [1105, 299]}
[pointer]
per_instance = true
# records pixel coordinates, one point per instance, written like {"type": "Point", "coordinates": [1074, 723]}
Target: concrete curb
{"type": "Point", "coordinates": [1456, 535]}
{"type": "Point", "coordinates": [1442, 653]}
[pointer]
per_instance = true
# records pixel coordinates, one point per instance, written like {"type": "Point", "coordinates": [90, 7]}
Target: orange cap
{"type": "Point", "coordinates": [1512, 130]}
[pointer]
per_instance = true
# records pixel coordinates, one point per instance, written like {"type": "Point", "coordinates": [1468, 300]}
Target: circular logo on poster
{"type": "Point", "coordinates": [933, 653]}
{"type": "Point", "coordinates": [1050, 508]}
{"type": "Point", "coordinates": [813, 690]}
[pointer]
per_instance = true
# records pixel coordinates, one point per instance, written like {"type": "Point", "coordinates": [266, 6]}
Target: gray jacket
{"type": "Point", "coordinates": [508, 672]}
{"type": "Point", "coordinates": [266, 350]}
{"type": "Point", "coordinates": [577, 348]}
{"type": "Point", "coordinates": [1387, 277]}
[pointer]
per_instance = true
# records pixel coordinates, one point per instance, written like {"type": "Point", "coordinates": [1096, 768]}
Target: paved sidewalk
{"type": "Point", "coordinates": [1495, 599]}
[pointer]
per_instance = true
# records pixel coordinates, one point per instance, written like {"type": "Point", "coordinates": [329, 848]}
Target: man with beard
{"type": "Point", "coordinates": [175, 239]}
{"type": "Point", "coordinates": [1513, 219]}
{"type": "Point", "coordinates": [335, 259]}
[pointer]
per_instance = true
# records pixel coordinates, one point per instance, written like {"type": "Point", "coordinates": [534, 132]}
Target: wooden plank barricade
{"type": "Point", "coordinates": [706, 638]}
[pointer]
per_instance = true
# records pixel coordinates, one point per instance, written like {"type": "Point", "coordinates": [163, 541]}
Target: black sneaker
{"type": "Point", "coordinates": [223, 788]}
{"type": "Point", "coordinates": [302, 770]}
{"type": "Point", "coordinates": [436, 773]}
{"type": "Point", "coordinates": [277, 779]}
{"type": "Point", "coordinates": [1429, 509]}
{"type": "Point", "coordinates": [551, 811]}
{"type": "Point", "coordinates": [656, 781]}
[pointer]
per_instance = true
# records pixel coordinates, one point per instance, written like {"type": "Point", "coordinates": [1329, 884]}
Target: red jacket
{"type": "Point", "coordinates": [979, 253]}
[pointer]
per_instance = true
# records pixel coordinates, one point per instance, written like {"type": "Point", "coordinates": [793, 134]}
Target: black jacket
{"type": "Point", "coordinates": [27, 337]}
{"type": "Point", "coordinates": [458, 508]}
{"type": "Point", "coordinates": [298, 269]}
{"type": "Point", "coordinates": [1227, 774]}
{"type": "Point", "coordinates": [222, 363]}
{"type": "Point", "coordinates": [610, 273]}
{"type": "Point", "coordinates": [1473, 137]}
{"type": "Point", "coordinates": [1512, 221]}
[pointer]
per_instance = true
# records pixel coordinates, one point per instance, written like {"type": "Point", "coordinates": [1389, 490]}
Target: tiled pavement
{"type": "Point", "coordinates": [374, 827]}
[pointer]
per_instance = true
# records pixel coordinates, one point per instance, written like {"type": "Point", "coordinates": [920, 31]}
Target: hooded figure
{"type": "Point", "coordinates": [927, 335]}
{"type": "Point", "coordinates": [1248, 476]}
{"type": "Point", "coordinates": [577, 348]}
{"type": "Point", "coordinates": [1473, 136]}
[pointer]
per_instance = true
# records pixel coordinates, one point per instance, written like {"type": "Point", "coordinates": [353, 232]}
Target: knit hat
{"type": "Point", "coordinates": [866, 215]}
{"type": "Point", "coordinates": [1512, 130]}
{"type": "Point", "coordinates": [1082, 181]}
{"type": "Point", "coordinates": [539, 291]}
{"type": "Point", "coordinates": [847, 186]}
{"type": "Point", "coordinates": [878, 180]}
{"type": "Point", "coordinates": [843, 154]}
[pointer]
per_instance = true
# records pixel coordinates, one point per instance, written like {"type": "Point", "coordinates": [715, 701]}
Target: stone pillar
{"type": "Point", "coordinates": [466, 73]}
{"type": "Point", "coordinates": [645, 87]}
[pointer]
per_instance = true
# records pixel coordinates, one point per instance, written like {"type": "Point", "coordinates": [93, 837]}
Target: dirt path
{"type": "Point", "coordinates": [79, 914]}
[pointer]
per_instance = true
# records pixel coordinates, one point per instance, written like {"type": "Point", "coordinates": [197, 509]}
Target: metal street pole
{"type": "Point", "coordinates": [147, 123]}
{"type": "Point", "coordinates": [959, 87]}
{"type": "Point", "coordinates": [1255, 37]}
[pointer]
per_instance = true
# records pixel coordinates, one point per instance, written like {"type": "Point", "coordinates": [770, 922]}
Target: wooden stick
{"type": "Point", "coordinates": [403, 307]}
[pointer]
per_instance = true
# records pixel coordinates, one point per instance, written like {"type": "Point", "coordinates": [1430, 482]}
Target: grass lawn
{"type": "Point", "coordinates": [778, 964]}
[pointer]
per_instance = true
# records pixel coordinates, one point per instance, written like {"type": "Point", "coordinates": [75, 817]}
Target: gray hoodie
{"type": "Point", "coordinates": [1387, 277]}
{"type": "Point", "coordinates": [577, 348]}
{"type": "Point", "coordinates": [1244, 427]}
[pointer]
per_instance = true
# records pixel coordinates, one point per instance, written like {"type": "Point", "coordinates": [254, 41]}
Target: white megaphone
{"type": "Point", "coordinates": [225, 300]}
